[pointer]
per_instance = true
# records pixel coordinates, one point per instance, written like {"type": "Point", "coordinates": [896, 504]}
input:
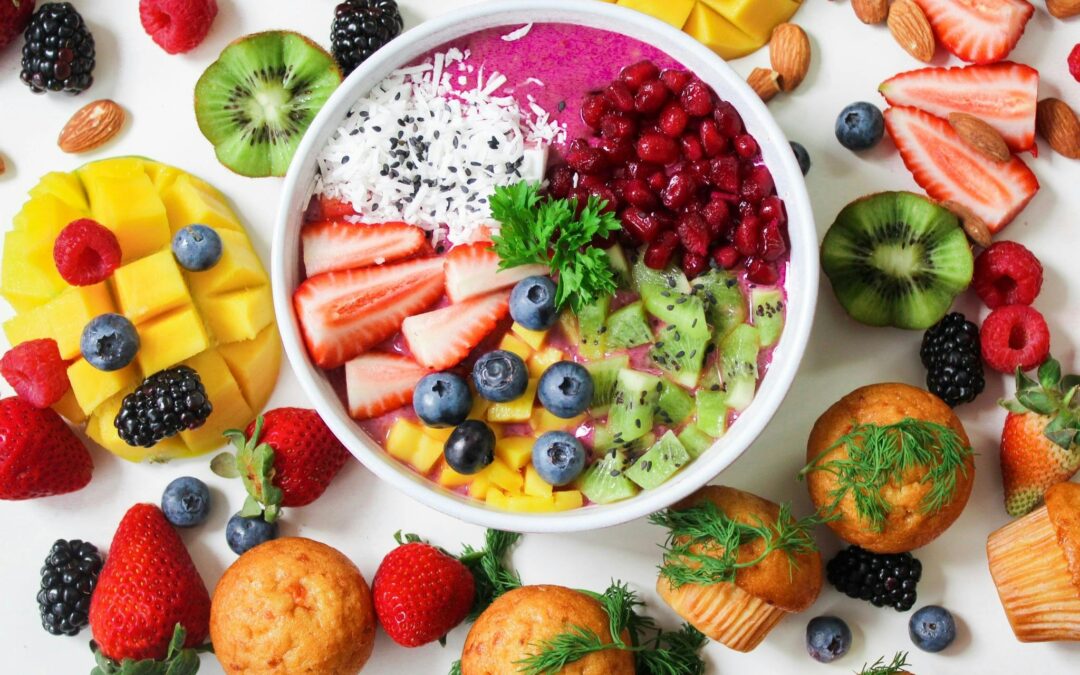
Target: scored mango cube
{"type": "Point", "coordinates": [479, 486]}
{"type": "Point", "coordinates": [188, 203]}
{"type": "Point", "coordinates": [542, 360]}
{"type": "Point", "coordinates": [238, 316]}
{"type": "Point", "coordinates": [568, 499]}
{"type": "Point", "coordinates": [534, 338]}
{"type": "Point", "coordinates": [43, 217]}
{"type": "Point", "coordinates": [515, 345]}
{"type": "Point", "coordinates": [231, 411]}
{"type": "Point", "coordinates": [402, 439]}
{"type": "Point", "coordinates": [92, 387]}
{"type": "Point", "coordinates": [504, 477]}
{"type": "Point", "coordinates": [534, 484]}
{"type": "Point", "coordinates": [518, 410]}
{"type": "Point", "coordinates": [238, 268]}
{"type": "Point", "coordinates": [496, 498]}
{"type": "Point", "coordinates": [710, 28]}
{"type": "Point", "coordinates": [542, 421]}
{"type": "Point", "coordinates": [673, 12]}
{"type": "Point", "coordinates": [753, 17]}
{"type": "Point", "coordinates": [515, 450]}
{"type": "Point", "coordinates": [428, 451]}
{"type": "Point", "coordinates": [116, 167]}
{"type": "Point", "coordinates": [449, 478]}
{"type": "Point", "coordinates": [168, 340]}
{"type": "Point", "coordinates": [32, 324]}
{"type": "Point", "coordinates": [103, 431]}
{"type": "Point", "coordinates": [131, 208]}
{"type": "Point", "coordinates": [64, 186]}
{"type": "Point", "coordinates": [150, 286]}
{"type": "Point", "coordinates": [530, 504]}
{"type": "Point", "coordinates": [69, 312]}
{"type": "Point", "coordinates": [255, 364]}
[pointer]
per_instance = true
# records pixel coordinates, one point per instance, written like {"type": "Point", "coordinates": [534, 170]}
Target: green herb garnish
{"type": "Point", "coordinates": [179, 660]}
{"type": "Point", "coordinates": [656, 652]}
{"type": "Point", "coordinates": [703, 543]}
{"type": "Point", "coordinates": [879, 667]}
{"type": "Point", "coordinates": [546, 231]}
{"type": "Point", "coordinates": [880, 454]}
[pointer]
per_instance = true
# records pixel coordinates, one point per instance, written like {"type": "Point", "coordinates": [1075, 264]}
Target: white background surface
{"type": "Point", "coordinates": [358, 515]}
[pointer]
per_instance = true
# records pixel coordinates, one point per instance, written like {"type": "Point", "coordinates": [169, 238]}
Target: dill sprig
{"type": "Point", "coordinates": [489, 569]}
{"type": "Point", "coordinates": [879, 667]}
{"type": "Point", "coordinates": [702, 545]}
{"type": "Point", "coordinates": [880, 454]}
{"type": "Point", "coordinates": [455, 668]}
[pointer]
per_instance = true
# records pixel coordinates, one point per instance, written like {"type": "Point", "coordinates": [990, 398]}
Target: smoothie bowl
{"type": "Point", "coordinates": [540, 273]}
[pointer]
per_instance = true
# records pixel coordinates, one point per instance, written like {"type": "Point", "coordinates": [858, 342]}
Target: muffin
{"type": "Point", "coordinates": [741, 612]}
{"type": "Point", "coordinates": [891, 465]}
{"type": "Point", "coordinates": [1035, 563]}
{"type": "Point", "coordinates": [292, 606]}
{"type": "Point", "coordinates": [509, 630]}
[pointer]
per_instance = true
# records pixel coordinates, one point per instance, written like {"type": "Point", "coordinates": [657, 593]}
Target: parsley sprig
{"type": "Point", "coordinates": [546, 231]}
{"type": "Point", "coordinates": [703, 543]}
{"type": "Point", "coordinates": [881, 454]}
{"type": "Point", "coordinates": [879, 667]}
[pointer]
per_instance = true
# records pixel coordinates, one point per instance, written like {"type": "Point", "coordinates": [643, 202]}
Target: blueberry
{"type": "Point", "coordinates": [196, 247]}
{"type": "Point", "coordinates": [565, 389]}
{"type": "Point", "coordinates": [109, 342]}
{"type": "Point", "coordinates": [243, 533]}
{"type": "Point", "coordinates": [558, 457]}
{"type": "Point", "coordinates": [500, 376]}
{"type": "Point", "coordinates": [442, 400]}
{"type": "Point", "coordinates": [532, 303]}
{"type": "Point", "coordinates": [860, 126]}
{"type": "Point", "coordinates": [932, 628]}
{"type": "Point", "coordinates": [802, 156]}
{"type": "Point", "coordinates": [827, 638]}
{"type": "Point", "coordinates": [470, 447]}
{"type": "Point", "coordinates": [186, 502]}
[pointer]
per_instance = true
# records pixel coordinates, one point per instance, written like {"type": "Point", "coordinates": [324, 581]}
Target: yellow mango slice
{"type": "Point", "coordinates": [440, 435]}
{"type": "Point", "coordinates": [43, 217]}
{"type": "Point", "coordinates": [101, 429]}
{"type": "Point", "coordinates": [515, 450]}
{"type": "Point", "coordinates": [231, 411]}
{"type": "Point", "coordinates": [92, 387]}
{"type": "Point", "coordinates": [428, 451]}
{"type": "Point", "coordinates": [568, 499]}
{"type": "Point", "coordinates": [28, 277]}
{"type": "Point", "coordinates": [162, 176]}
{"type": "Point", "coordinates": [238, 316]}
{"type": "Point", "coordinates": [496, 498]}
{"type": "Point", "coordinates": [479, 408]}
{"type": "Point", "coordinates": [69, 409]}
{"type": "Point", "coordinates": [187, 203]}
{"type": "Point", "coordinates": [239, 268]}
{"type": "Point", "coordinates": [518, 410]}
{"type": "Point", "coordinates": [64, 186]}
{"type": "Point", "coordinates": [533, 338]}
{"type": "Point", "coordinates": [504, 477]}
{"type": "Point", "coordinates": [710, 28]}
{"type": "Point", "coordinates": [449, 478]}
{"type": "Point", "coordinates": [512, 343]}
{"type": "Point", "coordinates": [170, 339]}
{"type": "Point", "coordinates": [535, 485]}
{"type": "Point", "coordinates": [479, 486]}
{"type": "Point", "coordinates": [254, 365]}
{"type": "Point", "coordinates": [68, 314]}
{"type": "Point", "coordinates": [131, 208]}
{"type": "Point", "coordinates": [756, 18]}
{"type": "Point", "coordinates": [530, 504]}
{"type": "Point", "coordinates": [542, 420]}
{"type": "Point", "coordinates": [28, 325]}
{"type": "Point", "coordinates": [673, 12]}
{"type": "Point", "coordinates": [402, 439]}
{"type": "Point", "coordinates": [540, 361]}
{"type": "Point", "coordinates": [150, 286]}
{"type": "Point", "coordinates": [114, 167]}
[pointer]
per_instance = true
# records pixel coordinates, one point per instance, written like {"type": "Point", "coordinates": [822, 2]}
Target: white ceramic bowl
{"type": "Point", "coordinates": [802, 278]}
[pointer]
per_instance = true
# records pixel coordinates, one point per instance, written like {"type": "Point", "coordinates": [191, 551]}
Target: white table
{"type": "Point", "coordinates": [359, 514]}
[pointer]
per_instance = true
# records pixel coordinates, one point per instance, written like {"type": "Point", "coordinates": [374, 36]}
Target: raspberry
{"type": "Point", "coordinates": [1074, 62]}
{"type": "Point", "coordinates": [177, 26]}
{"type": "Point", "coordinates": [86, 252]}
{"type": "Point", "coordinates": [36, 372]}
{"type": "Point", "coordinates": [1015, 336]}
{"type": "Point", "coordinates": [1007, 273]}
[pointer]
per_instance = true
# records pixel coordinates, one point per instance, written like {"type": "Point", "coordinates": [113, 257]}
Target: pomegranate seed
{"type": "Point", "coordinates": [637, 74]}
{"type": "Point", "coordinates": [693, 233]}
{"type": "Point", "coordinates": [605, 194]}
{"type": "Point", "coordinates": [673, 120]}
{"type": "Point", "coordinates": [637, 193]}
{"type": "Point", "coordinates": [619, 96]}
{"type": "Point", "coordinates": [717, 214]}
{"type": "Point", "coordinates": [641, 225]}
{"type": "Point", "coordinates": [642, 170]}
{"type": "Point", "coordinates": [745, 146]}
{"type": "Point", "coordinates": [697, 99]}
{"type": "Point", "coordinates": [617, 150]}
{"type": "Point", "coordinates": [747, 235]}
{"type": "Point", "coordinates": [592, 182]}
{"type": "Point", "coordinates": [651, 97]}
{"type": "Point", "coordinates": [758, 184]}
{"type": "Point", "coordinates": [657, 180]}
{"type": "Point", "coordinates": [761, 272]}
{"type": "Point", "coordinates": [593, 110]}
{"type": "Point", "coordinates": [679, 190]}
{"type": "Point", "coordinates": [772, 208]}
{"type": "Point", "coordinates": [562, 181]}
{"type": "Point", "coordinates": [694, 264]}
{"type": "Point", "coordinates": [746, 209]}
{"type": "Point", "coordinates": [725, 256]}
{"type": "Point", "coordinates": [576, 145]}
{"type": "Point", "coordinates": [700, 169]}
{"type": "Point", "coordinates": [657, 148]}
{"type": "Point", "coordinates": [772, 244]}
{"type": "Point", "coordinates": [616, 125]}
{"type": "Point", "coordinates": [587, 160]}
{"type": "Point", "coordinates": [725, 174]}
{"type": "Point", "coordinates": [728, 119]}
{"type": "Point", "coordinates": [659, 252]}
{"type": "Point", "coordinates": [712, 140]}
{"type": "Point", "coordinates": [676, 80]}
{"type": "Point", "coordinates": [691, 147]}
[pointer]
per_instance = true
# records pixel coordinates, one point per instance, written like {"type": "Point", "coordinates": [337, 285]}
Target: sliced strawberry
{"type": "Point", "coordinates": [473, 269]}
{"type": "Point", "coordinates": [330, 208]}
{"type": "Point", "coordinates": [949, 169]}
{"type": "Point", "coordinates": [342, 314]}
{"type": "Point", "coordinates": [334, 245]}
{"type": "Point", "coordinates": [378, 382]}
{"type": "Point", "coordinates": [978, 31]}
{"type": "Point", "coordinates": [1004, 95]}
{"type": "Point", "coordinates": [444, 337]}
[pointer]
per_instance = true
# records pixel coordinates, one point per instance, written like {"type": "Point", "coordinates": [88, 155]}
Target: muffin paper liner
{"type": "Point", "coordinates": [724, 612]}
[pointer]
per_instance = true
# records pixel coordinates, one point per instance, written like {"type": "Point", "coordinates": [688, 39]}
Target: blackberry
{"type": "Point", "coordinates": [67, 582]}
{"type": "Point", "coordinates": [59, 51]}
{"type": "Point", "coordinates": [166, 403]}
{"type": "Point", "coordinates": [885, 580]}
{"type": "Point", "coordinates": [361, 27]}
{"type": "Point", "coordinates": [953, 359]}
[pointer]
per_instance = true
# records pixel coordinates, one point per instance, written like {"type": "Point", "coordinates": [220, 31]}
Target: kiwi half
{"type": "Point", "coordinates": [256, 101]}
{"type": "Point", "coordinates": [896, 259]}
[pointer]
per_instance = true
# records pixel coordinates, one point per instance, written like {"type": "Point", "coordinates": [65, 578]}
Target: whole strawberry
{"type": "Point", "coordinates": [14, 15]}
{"type": "Point", "coordinates": [39, 455]}
{"type": "Point", "coordinates": [148, 587]}
{"type": "Point", "coordinates": [421, 593]}
{"type": "Point", "coordinates": [1039, 443]}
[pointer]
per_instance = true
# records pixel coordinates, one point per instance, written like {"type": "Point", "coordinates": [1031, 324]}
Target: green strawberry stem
{"type": "Point", "coordinates": [254, 463]}
{"type": "Point", "coordinates": [178, 659]}
{"type": "Point", "coordinates": [1051, 395]}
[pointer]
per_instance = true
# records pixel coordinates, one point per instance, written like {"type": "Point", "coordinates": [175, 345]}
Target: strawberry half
{"type": "Point", "coordinates": [473, 270]}
{"type": "Point", "coordinates": [340, 245]}
{"type": "Point", "coordinates": [949, 169]}
{"type": "Point", "coordinates": [330, 208]}
{"type": "Point", "coordinates": [342, 314]}
{"type": "Point", "coordinates": [1004, 95]}
{"type": "Point", "coordinates": [444, 337]}
{"type": "Point", "coordinates": [377, 383]}
{"type": "Point", "coordinates": [978, 31]}
{"type": "Point", "coordinates": [39, 455]}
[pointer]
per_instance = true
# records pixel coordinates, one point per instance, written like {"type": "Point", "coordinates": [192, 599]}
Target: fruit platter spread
{"type": "Point", "coordinates": [544, 283]}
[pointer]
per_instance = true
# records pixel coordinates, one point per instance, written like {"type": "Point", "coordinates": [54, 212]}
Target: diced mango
{"type": "Point", "coordinates": [150, 286]}
{"type": "Point", "coordinates": [540, 361]}
{"type": "Point", "coordinates": [69, 409]}
{"type": "Point", "coordinates": [131, 208]}
{"type": "Point", "coordinates": [515, 450]}
{"type": "Point", "coordinates": [101, 429]}
{"type": "Point", "coordinates": [496, 499]}
{"type": "Point", "coordinates": [428, 451]}
{"type": "Point", "coordinates": [115, 167]}
{"type": "Point", "coordinates": [533, 338]}
{"type": "Point", "coordinates": [43, 217]}
{"type": "Point", "coordinates": [542, 420]}
{"type": "Point", "coordinates": [239, 268]}
{"type": "Point", "coordinates": [402, 439]}
{"type": "Point", "coordinates": [238, 316]}
{"type": "Point", "coordinates": [64, 186]}
{"type": "Point", "coordinates": [756, 18]}
{"type": "Point", "coordinates": [187, 203]}
{"type": "Point", "coordinates": [255, 364]}
{"type": "Point", "coordinates": [568, 499]}
{"type": "Point", "coordinates": [673, 12]}
{"type": "Point", "coordinates": [516, 345]}
{"type": "Point", "coordinates": [710, 28]}
{"type": "Point", "coordinates": [231, 411]}
{"type": "Point", "coordinates": [440, 435]}
{"type": "Point", "coordinates": [449, 478]}
{"type": "Point", "coordinates": [530, 504]}
{"type": "Point", "coordinates": [68, 314]}
{"type": "Point", "coordinates": [92, 386]}
{"type": "Point", "coordinates": [162, 176]}
{"type": "Point", "coordinates": [28, 325]}
{"type": "Point", "coordinates": [478, 488]}
{"type": "Point", "coordinates": [479, 408]}
{"type": "Point", "coordinates": [534, 484]}
{"type": "Point", "coordinates": [27, 280]}
{"type": "Point", "coordinates": [504, 477]}
{"type": "Point", "coordinates": [518, 410]}
{"type": "Point", "coordinates": [170, 339]}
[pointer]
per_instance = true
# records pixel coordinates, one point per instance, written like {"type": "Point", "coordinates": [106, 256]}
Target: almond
{"type": "Point", "coordinates": [765, 82]}
{"type": "Point", "coordinates": [1057, 123]}
{"type": "Point", "coordinates": [976, 229]}
{"type": "Point", "coordinates": [980, 136]}
{"type": "Point", "coordinates": [789, 52]}
{"type": "Point", "coordinates": [2, 167]}
{"type": "Point", "coordinates": [1063, 9]}
{"type": "Point", "coordinates": [871, 11]}
{"type": "Point", "coordinates": [911, 30]}
{"type": "Point", "coordinates": [92, 126]}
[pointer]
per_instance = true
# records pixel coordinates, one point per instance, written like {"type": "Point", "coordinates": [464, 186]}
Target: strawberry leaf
{"type": "Point", "coordinates": [224, 465]}
{"type": "Point", "coordinates": [254, 462]}
{"type": "Point", "coordinates": [178, 660]}
{"type": "Point", "coordinates": [1049, 374]}
{"type": "Point", "coordinates": [1036, 401]}
{"type": "Point", "coordinates": [1064, 438]}
{"type": "Point", "coordinates": [1012, 406]}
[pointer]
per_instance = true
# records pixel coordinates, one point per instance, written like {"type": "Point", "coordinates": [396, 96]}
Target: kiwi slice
{"type": "Point", "coordinates": [604, 482]}
{"type": "Point", "coordinates": [696, 441]}
{"type": "Point", "coordinates": [896, 259]}
{"type": "Point", "coordinates": [256, 101]}
{"type": "Point", "coordinates": [592, 328]}
{"type": "Point", "coordinates": [725, 306]}
{"type": "Point", "coordinates": [671, 277]}
{"type": "Point", "coordinates": [768, 313]}
{"type": "Point", "coordinates": [738, 366]}
{"type": "Point", "coordinates": [631, 413]}
{"type": "Point", "coordinates": [603, 375]}
{"type": "Point", "coordinates": [619, 265]}
{"type": "Point", "coordinates": [627, 327]}
{"type": "Point", "coordinates": [673, 405]}
{"type": "Point", "coordinates": [661, 462]}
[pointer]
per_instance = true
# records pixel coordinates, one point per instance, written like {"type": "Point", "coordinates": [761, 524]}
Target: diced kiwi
{"type": "Point", "coordinates": [695, 440]}
{"type": "Point", "coordinates": [738, 366]}
{"type": "Point", "coordinates": [593, 332]}
{"type": "Point", "coordinates": [673, 405]}
{"type": "Point", "coordinates": [896, 259]}
{"type": "Point", "coordinates": [603, 375]}
{"type": "Point", "coordinates": [630, 415]}
{"type": "Point", "coordinates": [712, 412]}
{"type": "Point", "coordinates": [604, 482]}
{"type": "Point", "coordinates": [627, 327]}
{"type": "Point", "coordinates": [768, 314]}
{"type": "Point", "coordinates": [679, 353]}
{"type": "Point", "coordinates": [619, 265]}
{"type": "Point", "coordinates": [680, 309]}
{"type": "Point", "coordinates": [661, 462]}
{"type": "Point", "coordinates": [725, 306]}
{"type": "Point", "coordinates": [569, 325]}
{"type": "Point", "coordinates": [671, 278]}
{"type": "Point", "coordinates": [604, 440]}
{"type": "Point", "coordinates": [256, 101]}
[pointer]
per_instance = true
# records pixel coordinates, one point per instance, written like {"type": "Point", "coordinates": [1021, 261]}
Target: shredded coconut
{"type": "Point", "coordinates": [518, 34]}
